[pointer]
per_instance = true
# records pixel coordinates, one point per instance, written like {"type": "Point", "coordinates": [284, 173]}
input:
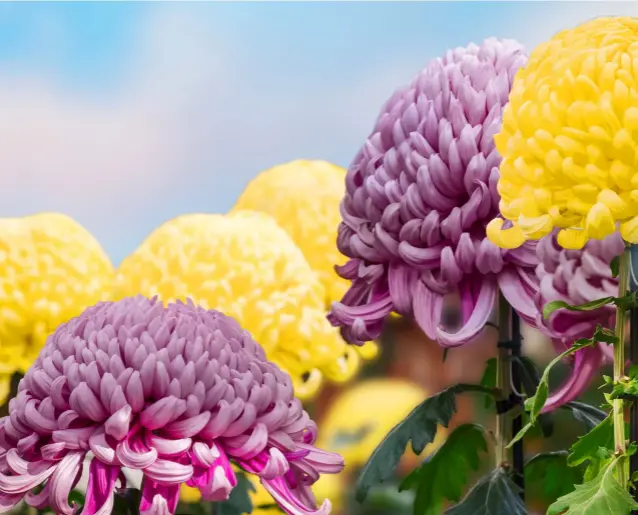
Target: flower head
{"type": "Point", "coordinates": [303, 197]}
{"type": "Point", "coordinates": [419, 195]}
{"type": "Point", "coordinates": [174, 391]}
{"type": "Point", "coordinates": [568, 139]}
{"type": "Point", "coordinates": [576, 277]}
{"type": "Point", "coordinates": [52, 269]}
{"type": "Point", "coordinates": [245, 265]}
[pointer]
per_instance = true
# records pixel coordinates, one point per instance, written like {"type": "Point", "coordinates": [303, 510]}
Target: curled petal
{"type": "Point", "coordinates": [587, 363]}
{"type": "Point", "coordinates": [281, 492]}
{"type": "Point", "coordinates": [62, 482]}
{"type": "Point", "coordinates": [480, 315]}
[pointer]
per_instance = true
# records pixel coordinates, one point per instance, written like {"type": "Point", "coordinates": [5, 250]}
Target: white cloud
{"type": "Point", "coordinates": [184, 116]}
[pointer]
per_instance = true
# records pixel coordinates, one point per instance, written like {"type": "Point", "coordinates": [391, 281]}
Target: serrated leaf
{"type": "Point", "coordinates": [551, 470]}
{"type": "Point", "coordinates": [535, 404]}
{"type": "Point", "coordinates": [586, 447]}
{"type": "Point", "coordinates": [239, 501]}
{"type": "Point", "coordinates": [494, 494]}
{"type": "Point", "coordinates": [588, 415]}
{"type": "Point", "coordinates": [445, 475]}
{"type": "Point", "coordinates": [418, 428]}
{"type": "Point", "coordinates": [602, 495]}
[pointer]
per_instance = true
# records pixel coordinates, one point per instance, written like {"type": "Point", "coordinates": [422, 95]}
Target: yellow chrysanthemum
{"type": "Point", "coordinates": [303, 196]}
{"type": "Point", "coordinates": [569, 139]}
{"type": "Point", "coordinates": [361, 417]}
{"type": "Point", "coordinates": [247, 266]}
{"type": "Point", "coordinates": [52, 269]}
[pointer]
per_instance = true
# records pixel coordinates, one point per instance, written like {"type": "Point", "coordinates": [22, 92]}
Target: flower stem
{"type": "Point", "coordinates": [633, 417]}
{"type": "Point", "coordinates": [619, 368]}
{"type": "Point", "coordinates": [504, 426]}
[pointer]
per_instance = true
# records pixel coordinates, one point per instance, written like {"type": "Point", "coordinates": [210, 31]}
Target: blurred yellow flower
{"type": "Point", "coordinates": [52, 269]}
{"type": "Point", "coordinates": [329, 486]}
{"type": "Point", "coordinates": [569, 139]}
{"type": "Point", "coordinates": [365, 413]}
{"type": "Point", "coordinates": [247, 266]}
{"type": "Point", "coordinates": [303, 197]}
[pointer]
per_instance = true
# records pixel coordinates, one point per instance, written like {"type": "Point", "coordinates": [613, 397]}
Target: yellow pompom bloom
{"type": "Point", "coordinates": [365, 413]}
{"type": "Point", "coordinates": [303, 196]}
{"type": "Point", "coordinates": [246, 266]}
{"type": "Point", "coordinates": [569, 139]}
{"type": "Point", "coordinates": [52, 269]}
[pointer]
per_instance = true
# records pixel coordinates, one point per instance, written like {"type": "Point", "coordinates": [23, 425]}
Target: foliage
{"type": "Point", "coordinates": [418, 428]}
{"type": "Point", "coordinates": [552, 471]}
{"type": "Point", "coordinates": [601, 494]}
{"type": "Point", "coordinates": [495, 493]}
{"type": "Point", "coordinates": [588, 415]}
{"type": "Point", "coordinates": [535, 404]}
{"type": "Point", "coordinates": [445, 473]}
{"type": "Point", "coordinates": [627, 302]}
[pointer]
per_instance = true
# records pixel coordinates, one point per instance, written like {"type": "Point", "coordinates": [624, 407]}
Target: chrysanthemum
{"type": "Point", "coordinates": [303, 197]}
{"type": "Point", "coordinates": [577, 277]}
{"type": "Point", "coordinates": [419, 195]}
{"type": "Point", "coordinates": [247, 266]}
{"type": "Point", "coordinates": [51, 269]}
{"type": "Point", "coordinates": [569, 136]}
{"type": "Point", "coordinates": [174, 391]}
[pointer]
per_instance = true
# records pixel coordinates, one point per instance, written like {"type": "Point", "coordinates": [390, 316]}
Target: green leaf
{"type": "Point", "coordinates": [495, 494]}
{"type": "Point", "coordinates": [446, 473]}
{"type": "Point", "coordinates": [587, 446]}
{"type": "Point", "coordinates": [551, 470]}
{"type": "Point", "coordinates": [615, 266]}
{"type": "Point", "coordinates": [535, 403]}
{"type": "Point", "coordinates": [530, 377]}
{"type": "Point", "coordinates": [489, 380]}
{"type": "Point", "coordinates": [239, 501]}
{"type": "Point", "coordinates": [419, 428]}
{"type": "Point", "coordinates": [588, 415]}
{"type": "Point", "coordinates": [555, 305]}
{"type": "Point", "coordinates": [602, 495]}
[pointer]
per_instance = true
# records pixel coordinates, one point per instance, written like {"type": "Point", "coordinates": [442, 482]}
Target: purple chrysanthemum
{"type": "Point", "coordinates": [576, 277]}
{"type": "Point", "coordinates": [419, 195]}
{"type": "Point", "coordinates": [174, 391]}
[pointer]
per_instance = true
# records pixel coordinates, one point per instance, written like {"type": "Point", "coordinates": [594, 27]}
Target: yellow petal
{"type": "Point", "coordinates": [573, 239]}
{"type": "Point", "coordinates": [536, 227]}
{"type": "Point", "coordinates": [612, 200]}
{"type": "Point", "coordinates": [504, 238]}
{"type": "Point", "coordinates": [629, 230]}
{"type": "Point", "coordinates": [599, 222]}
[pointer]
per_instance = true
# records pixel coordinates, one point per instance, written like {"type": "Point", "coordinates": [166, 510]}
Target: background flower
{"type": "Point", "coordinates": [52, 269]}
{"type": "Point", "coordinates": [303, 197]}
{"type": "Point", "coordinates": [568, 138]}
{"type": "Point", "coordinates": [247, 266]}
{"type": "Point", "coordinates": [175, 391]}
{"type": "Point", "coordinates": [419, 195]}
{"type": "Point", "coordinates": [577, 277]}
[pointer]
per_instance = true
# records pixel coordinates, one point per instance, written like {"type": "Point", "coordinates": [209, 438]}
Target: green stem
{"type": "Point", "coordinates": [619, 368]}
{"type": "Point", "coordinates": [503, 383]}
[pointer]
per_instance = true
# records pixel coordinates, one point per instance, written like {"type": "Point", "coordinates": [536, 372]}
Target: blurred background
{"type": "Point", "coordinates": [125, 115]}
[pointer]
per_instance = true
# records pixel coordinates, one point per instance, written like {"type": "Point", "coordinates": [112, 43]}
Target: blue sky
{"type": "Point", "coordinates": [124, 115]}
